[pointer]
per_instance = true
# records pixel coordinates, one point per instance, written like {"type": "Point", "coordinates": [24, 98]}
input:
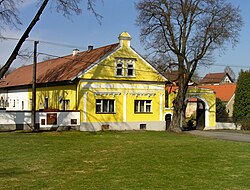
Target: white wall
{"type": "Point", "coordinates": [9, 119]}
{"type": "Point", "coordinates": [18, 99]}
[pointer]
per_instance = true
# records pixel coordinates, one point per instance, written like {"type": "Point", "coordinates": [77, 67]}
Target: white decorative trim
{"type": "Point", "coordinates": [107, 93]}
{"type": "Point", "coordinates": [85, 107]}
{"type": "Point", "coordinates": [109, 86]}
{"type": "Point", "coordinates": [142, 94]}
{"type": "Point", "coordinates": [125, 107]}
{"type": "Point", "coordinates": [156, 87]}
{"type": "Point", "coordinates": [161, 95]}
{"type": "Point", "coordinates": [96, 63]}
{"type": "Point", "coordinates": [91, 86]}
{"type": "Point", "coordinates": [125, 86]}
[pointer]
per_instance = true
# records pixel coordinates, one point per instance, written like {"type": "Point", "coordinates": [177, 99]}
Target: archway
{"type": "Point", "coordinates": [196, 116]}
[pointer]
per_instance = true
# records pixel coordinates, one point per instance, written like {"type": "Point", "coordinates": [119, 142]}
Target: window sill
{"type": "Point", "coordinates": [143, 112]}
{"type": "Point", "coordinates": [105, 112]}
{"type": "Point", "coordinates": [125, 76]}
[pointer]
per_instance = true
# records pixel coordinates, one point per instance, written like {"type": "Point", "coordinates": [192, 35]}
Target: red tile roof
{"type": "Point", "coordinates": [222, 91]}
{"type": "Point", "coordinates": [56, 70]}
{"type": "Point", "coordinates": [212, 78]}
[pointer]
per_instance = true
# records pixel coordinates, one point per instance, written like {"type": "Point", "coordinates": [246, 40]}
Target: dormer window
{"type": "Point", "coordinates": [119, 68]}
{"type": "Point", "coordinates": [125, 67]}
{"type": "Point", "coordinates": [130, 68]}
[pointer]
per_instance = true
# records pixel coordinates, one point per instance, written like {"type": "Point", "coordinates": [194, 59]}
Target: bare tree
{"type": "Point", "coordinates": [9, 16]}
{"type": "Point", "coordinates": [189, 31]}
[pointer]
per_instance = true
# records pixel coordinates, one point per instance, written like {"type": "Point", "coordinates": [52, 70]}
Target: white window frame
{"type": "Point", "coordinates": [125, 63]}
{"type": "Point", "coordinates": [119, 61]}
{"type": "Point", "coordinates": [101, 104]}
{"type": "Point", "coordinates": [129, 63]}
{"type": "Point", "coordinates": [137, 106]}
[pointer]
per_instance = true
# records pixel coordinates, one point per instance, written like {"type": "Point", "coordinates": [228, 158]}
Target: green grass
{"type": "Point", "coordinates": [121, 160]}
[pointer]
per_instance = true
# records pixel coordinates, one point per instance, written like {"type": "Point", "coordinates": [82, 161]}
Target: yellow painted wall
{"type": "Point", "coordinates": [54, 93]}
{"type": "Point", "coordinates": [106, 69]}
{"type": "Point", "coordinates": [203, 94]}
{"type": "Point", "coordinates": [118, 116]}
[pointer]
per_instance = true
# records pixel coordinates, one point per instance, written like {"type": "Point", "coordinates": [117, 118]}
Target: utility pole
{"type": "Point", "coordinates": [33, 118]}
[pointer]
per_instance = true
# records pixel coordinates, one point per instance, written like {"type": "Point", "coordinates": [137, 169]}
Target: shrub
{"type": "Point", "coordinates": [241, 111]}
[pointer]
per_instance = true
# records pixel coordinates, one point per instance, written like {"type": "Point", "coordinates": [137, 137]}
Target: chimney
{"type": "Point", "coordinates": [90, 47]}
{"type": "Point", "coordinates": [124, 39]}
{"type": "Point", "coordinates": [75, 52]}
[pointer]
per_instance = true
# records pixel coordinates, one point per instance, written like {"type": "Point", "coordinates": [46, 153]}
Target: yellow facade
{"type": "Point", "coordinates": [124, 98]}
{"type": "Point", "coordinates": [207, 96]}
{"type": "Point", "coordinates": [55, 95]}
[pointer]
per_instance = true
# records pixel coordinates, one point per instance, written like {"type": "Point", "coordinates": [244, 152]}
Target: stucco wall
{"type": "Point", "coordinates": [11, 120]}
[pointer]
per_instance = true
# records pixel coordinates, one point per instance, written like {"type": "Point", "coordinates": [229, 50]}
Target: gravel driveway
{"type": "Point", "coordinates": [240, 136]}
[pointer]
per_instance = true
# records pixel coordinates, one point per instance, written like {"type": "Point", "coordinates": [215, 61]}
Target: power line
{"type": "Point", "coordinates": [45, 42]}
{"type": "Point", "coordinates": [114, 67]}
{"type": "Point", "coordinates": [79, 47]}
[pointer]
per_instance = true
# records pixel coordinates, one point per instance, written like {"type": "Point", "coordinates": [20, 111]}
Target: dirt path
{"type": "Point", "coordinates": [239, 136]}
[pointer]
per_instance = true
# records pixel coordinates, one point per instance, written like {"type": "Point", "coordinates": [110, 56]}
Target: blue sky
{"type": "Point", "coordinates": [118, 16]}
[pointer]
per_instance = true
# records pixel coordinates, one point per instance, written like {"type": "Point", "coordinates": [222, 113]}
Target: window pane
{"type": "Point", "coordinates": [111, 106]}
{"type": "Point", "coordinates": [130, 72]}
{"type": "Point", "coordinates": [142, 103]}
{"type": "Point", "coordinates": [148, 108]}
{"type": "Point", "coordinates": [98, 108]}
{"type": "Point", "coordinates": [105, 106]}
{"type": "Point", "coordinates": [119, 72]}
{"type": "Point", "coordinates": [136, 106]}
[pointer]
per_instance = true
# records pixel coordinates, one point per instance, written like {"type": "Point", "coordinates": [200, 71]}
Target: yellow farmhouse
{"type": "Point", "coordinates": [111, 87]}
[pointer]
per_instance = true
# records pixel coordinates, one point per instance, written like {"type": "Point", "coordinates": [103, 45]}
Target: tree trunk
{"type": "Point", "coordinates": [25, 35]}
{"type": "Point", "coordinates": [179, 103]}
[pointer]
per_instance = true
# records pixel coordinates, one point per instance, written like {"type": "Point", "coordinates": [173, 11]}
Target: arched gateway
{"type": "Point", "coordinates": [200, 111]}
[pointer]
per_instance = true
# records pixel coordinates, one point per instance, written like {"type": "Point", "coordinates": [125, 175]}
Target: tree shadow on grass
{"type": "Point", "coordinates": [12, 172]}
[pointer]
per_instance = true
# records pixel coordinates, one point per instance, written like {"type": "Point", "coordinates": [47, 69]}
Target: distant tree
{"type": "Point", "coordinates": [221, 112]}
{"type": "Point", "coordinates": [188, 31]}
{"type": "Point", "coordinates": [9, 17]}
{"type": "Point", "coordinates": [241, 109]}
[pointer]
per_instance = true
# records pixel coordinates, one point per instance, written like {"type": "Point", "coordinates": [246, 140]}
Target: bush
{"type": "Point", "coordinates": [245, 124]}
{"type": "Point", "coordinates": [221, 113]}
{"type": "Point", "coordinates": [241, 111]}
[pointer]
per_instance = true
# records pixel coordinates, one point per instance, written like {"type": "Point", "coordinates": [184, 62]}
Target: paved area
{"type": "Point", "coordinates": [240, 136]}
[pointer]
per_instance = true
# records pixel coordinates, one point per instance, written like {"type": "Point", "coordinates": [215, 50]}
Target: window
{"type": "Point", "coordinates": [143, 106]}
{"type": "Point", "coordinates": [105, 106]}
{"type": "Point", "coordinates": [125, 67]}
{"type": "Point", "coordinates": [143, 126]}
{"type": "Point", "coordinates": [73, 121]}
{"type": "Point", "coordinates": [14, 103]}
{"type": "Point", "coordinates": [130, 68]}
{"type": "Point", "coordinates": [65, 104]}
{"type": "Point", "coordinates": [2, 102]}
{"type": "Point", "coordinates": [119, 68]}
{"type": "Point", "coordinates": [46, 103]}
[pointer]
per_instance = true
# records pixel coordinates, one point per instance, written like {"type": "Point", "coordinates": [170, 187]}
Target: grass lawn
{"type": "Point", "coordinates": [121, 160]}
